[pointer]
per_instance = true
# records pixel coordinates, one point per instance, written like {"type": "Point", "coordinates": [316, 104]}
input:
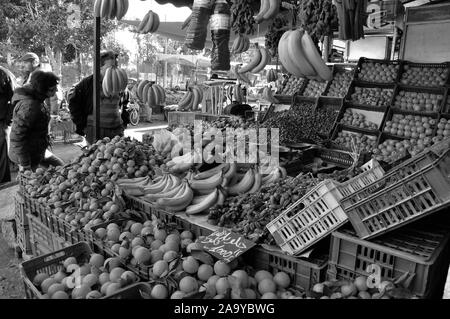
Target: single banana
{"type": "Point", "coordinates": [196, 98]}
{"type": "Point", "coordinates": [255, 60]}
{"type": "Point", "coordinates": [187, 102]}
{"type": "Point", "coordinates": [115, 81]}
{"type": "Point", "coordinates": [200, 92]}
{"type": "Point", "coordinates": [200, 198]}
{"type": "Point", "coordinates": [154, 197]}
{"type": "Point", "coordinates": [157, 187]}
{"type": "Point", "coordinates": [123, 79]}
{"type": "Point", "coordinates": [140, 89]}
{"type": "Point", "coordinates": [155, 25]}
{"type": "Point", "coordinates": [314, 58]}
{"type": "Point", "coordinates": [285, 57]}
{"type": "Point", "coordinates": [112, 9]}
{"type": "Point", "coordinates": [147, 88]}
{"type": "Point", "coordinates": [221, 198]}
{"type": "Point", "coordinates": [297, 55]}
{"type": "Point", "coordinates": [257, 184]}
{"type": "Point", "coordinates": [213, 171]}
{"type": "Point", "coordinates": [151, 97]}
{"type": "Point", "coordinates": [208, 183]}
{"type": "Point", "coordinates": [274, 8]}
{"type": "Point", "coordinates": [105, 84]}
{"type": "Point", "coordinates": [181, 167]}
{"type": "Point", "coordinates": [262, 11]}
{"type": "Point", "coordinates": [168, 186]}
{"type": "Point", "coordinates": [247, 44]}
{"type": "Point", "coordinates": [265, 58]}
{"type": "Point", "coordinates": [143, 23]}
{"type": "Point", "coordinates": [122, 8]}
{"type": "Point", "coordinates": [105, 9]}
{"type": "Point", "coordinates": [98, 8]}
{"type": "Point", "coordinates": [161, 94]}
{"type": "Point", "coordinates": [150, 21]}
{"type": "Point", "coordinates": [244, 185]}
{"type": "Point", "coordinates": [272, 177]}
{"type": "Point", "coordinates": [235, 46]}
{"type": "Point", "coordinates": [231, 172]}
{"type": "Point", "coordinates": [206, 204]}
{"type": "Point", "coordinates": [183, 199]}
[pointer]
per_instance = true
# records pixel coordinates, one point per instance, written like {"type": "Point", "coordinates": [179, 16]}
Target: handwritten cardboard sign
{"type": "Point", "coordinates": [225, 245]}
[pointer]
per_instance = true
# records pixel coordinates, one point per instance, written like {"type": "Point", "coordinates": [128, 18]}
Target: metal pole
{"type": "Point", "coordinates": [97, 79]}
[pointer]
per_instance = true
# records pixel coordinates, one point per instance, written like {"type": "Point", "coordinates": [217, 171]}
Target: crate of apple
{"type": "Point", "coordinates": [443, 129]}
{"type": "Point", "coordinates": [411, 126]}
{"type": "Point", "coordinates": [294, 85]}
{"type": "Point", "coordinates": [315, 88]}
{"type": "Point", "coordinates": [424, 75]}
{"type": "Point", "coordinates": [372, 96]}
{"type": "Point", "coordinates": [365, 143]}
{"type": "Point", "coordinates": [340, 84]}
{"type": "Point", "coordinates": [392, 150]}
{"type": "Point", "coordinates": [378, 72]}
{"type": "Point", "coordinates": [357, 120]}
{"type": "Point", "coordinates": [418, 101]}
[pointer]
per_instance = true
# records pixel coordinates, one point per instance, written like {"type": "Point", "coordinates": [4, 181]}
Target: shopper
{"type": "Point", "coordinates": [31, 116]}
{"type": "Point", "coordinates": [30, 63]}
{"type": "Point", "coordinates": [81, 105]}
{"type": "Point", "coordinates": [123, 105]}
{"type": "Point", "coordinates": [7, 86]}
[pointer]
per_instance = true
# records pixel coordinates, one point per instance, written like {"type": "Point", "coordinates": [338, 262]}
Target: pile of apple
{"type": "Point", "coordinates": [340, 84]}
{"type": "Point", "coordinates": [378, 72]}
{"type": "Point", "coordinates": [85, 278]}
{"type": "Point", "coordinates": [314, 88]}
{"type": "Point", "coordinates": [356, 119]}
{"type": "Point", "coordinates": [418, 102]}
{"type": "Point", "coordinates": [392, 150]}
{"type": "Point", "coordinates": [372, 96]}
{"type": "Point", "coordinates": [427, 76]}
{"type": "Point", "coordinates": [363, 142]}
{"type": "Point", "coordinates": [292, 86]}
{"type": "Point", "coordinates": [443, 130]}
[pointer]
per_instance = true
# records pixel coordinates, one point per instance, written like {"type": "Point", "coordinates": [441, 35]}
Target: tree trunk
{"type": "Point", "coordinates": [58, 64]}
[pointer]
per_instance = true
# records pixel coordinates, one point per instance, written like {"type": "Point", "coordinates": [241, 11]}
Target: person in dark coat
{"type": "Point", "coordinates": [7, 86]}
{"type": "Point", "coordinates": [81, 105]}
{"type": "Point", "coordinates": [29, 132]}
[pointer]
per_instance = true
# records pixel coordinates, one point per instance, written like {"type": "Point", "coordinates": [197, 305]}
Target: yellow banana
{"type": "Point", "coordinates": [105, 8]}
{"type": "Point", "coordinates": [150, 21]}
{"type": "Point", "coordinates": [295, 51]}
{"type": "Point", "coordinates": [115, 81]}
{"type": "Point", "coordinates": [213, 171]}
{"type": "Point", "coordinates": [244, 185]}
{"type": "Point", "coordinates": [274, 8]}
{"type": "Point", "coordinates": [206, 204]}
{"type": "Point", "coordinates": [283, 172]}
{"type": "Point", "coordinates": [123, 79]}
{"type": "Point", "coordinates": [97, 8]}
{"type": "Point", "coordinates": [262, 11]}
{"type": "Point", "coordinates": [257, 184]}
{"type": "Point", "coordinates": [221, 198]}
{"type": "Point", "coordinates": [137, 180]}
{"type": "Point", "coordinates": [162, 92]}
{"type": "Point", "coordinates": [122, 8]}
{"type": "Point", "coordinates": [208, 183]}
{"type": "Point", "coordinates": [157, 187]}
{"type": "Point", "coordinates": [112, 9]}
{"type": "Point", "coordinates": [140, 89]}
{"type": "Point", "coordinates": [283, 54]}
{"type": "Point", "coordinates": [265, 58]}
{"type": "Point", "coordinates": [105, 83]}
{"type": "Point", "coordinates": [314, 58]}
{"type": "Point", "coordinates": [145, 92]}
{"type": "Point", "coordinates": [187, 102]}
{"type": "Point", "coordinates": [272, 177]}
{"type": "Point", "coordinates": [154, 197]}
{"type": "Point", "coordinates": [184, 199]}
{"type": "Point", "coordinates": [255, 60]}
{"type": "Point", "coordinates": [143, 23]}
{"type": "Point", "coordinates": [196, 98]}
{"type": "Point", "coordinates": [155, 25]}
{"type": "Point", "coordinates": [231, 172]}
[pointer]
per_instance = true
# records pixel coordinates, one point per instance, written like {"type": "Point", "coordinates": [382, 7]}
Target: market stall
{"type": "Point", "coordinates": [340, 191]}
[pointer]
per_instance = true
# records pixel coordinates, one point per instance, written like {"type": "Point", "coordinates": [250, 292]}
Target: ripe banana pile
{"type": "Point", "coordinates": [272, 75]}
{"type": "Point", "coordinates": [300, 57]}
{"type": "Point", "coordinates": [235, 93]}
{"type": "Point", "coordinates": [151, 94]}
{"type": "Point", "coordinates": [240, 76]}
{"type": "Point", "coordinates": [191, 100]}
{"type": "Point", "coordinates": [110, 9]}
{"type": "Point", "coordinates": [240, 44]}
{"type": "Point", "coordinates": [268, 10]}
{"type": "Point", "coordinates": [259, 60]}
{"type": "Point", "coordinates": [149, 24]}
{"type": "Point", "coordinates": [267, 95]}
{"type": "Point", "coordinates": [114, 81]}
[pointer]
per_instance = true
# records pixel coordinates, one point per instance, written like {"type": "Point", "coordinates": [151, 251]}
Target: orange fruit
{"type": "Point", "coordinates": [96, 260]}
{"type": "Point", "coordinates": [115, 274]}
{"type": "Point", "coordinates": [188, 284]}
{"type": "Point", "coordinates": [142, 255]}
{"type": "Point", "coordinates": [267, 285]}
{"type": "Point", "coordinates": [113, 234]}
{"type": "Point", "coordinates": [55, 288]}
{"type": "Point", "coordinates": [361, 283]}
{"type": "Point", "coordinates": [103, 278]}
{"type": "Point", "coordinates": [172, 245]}
{"type": "Point", "coordinates": [39, 278]}
{"type": "Point", "coordinates": [262, 274]}
{"type": "Point", "coordinates": [60, 295]}
{"type": "Point", "coordinates": [187, 235]}
{"type": "Point", "coordinates": [222, 285]}
{"type": "Point", "coordinates": [221, 269]}
{"type": "Point", "coordinates": [156, 255]}
{"type": "Point", "coordinates": [160, 267]}
{"type": "Point", "coordinates": [160, 292]}
{"type": "Point", "coordinates": [205, 272]}
{"type": "Point", "coordinates": [173, 238]}
{"type": "Point", "coordinates": [160, 234]}
{"type": "Point", "coordinates": [177, 295]}
{"type": "Point", "coordinates": [242, 276]}
{"type": "Point", "coordinates": [81, 292]}
{"type": "Point", "coordinates": [170, 256]}
{"type": "Point", "coordinates": [94, 295]}
{"type": "Point", "coordinates": [47, 283]}
{"type": "Point", "coordinates": [136, 229]}
{"type": "Point", "coordinates": [113, 288]}
{"type": "Point", "coordinates": [90, 280]}
{"type": "Point", "coordinates": [190, 265]}
{"type": "Point", "coordinates": [250, 293]}
{"type": "Point", "coordinates": [156, 244]}
{"type": "Point", "coordinates": [282, 279]}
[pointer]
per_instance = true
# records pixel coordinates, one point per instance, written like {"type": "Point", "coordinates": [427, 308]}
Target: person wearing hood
{"type": "Point", "coordinates": [29, 132]}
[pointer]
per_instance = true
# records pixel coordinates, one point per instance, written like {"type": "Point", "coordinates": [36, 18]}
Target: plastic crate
{"type": "Point", "coordinates": [23, 239]}
{"type": "Point", "coordinates": [304, 272]}
{"type": "Point", "coordinates": [437, 91]}
{"type": "Point", "coordinates": [340, 69]}
{"type": "Point", "coordinates": [339, 157]}
{"type": "Point", "coordinates": [69, 233]}
{"type": "Point", "coordinates": [445, 65]}
{"type": "Point", "coordinates": [43, 240]}
{"type": "Point", "coordinates": [364, 60]}
{"type": "Point", "coordinates": [374, 135]}
{"type": "Point", "coordinates": [20, 210]}
{"type": "Point", "coordinates": [379, 106]}
{"type": "Point", "coordinates": [50, 264]}
{"type": "Point", "coordinates": [371, 172]}
{"type": "Point", "coordinates": [404, 200]}
{"type": "Point", "coordinates": [309, 220]}
{"type": "Point", "coordinates": [423, 252]}
{"type": "Point", "coordinates": [144, 206]}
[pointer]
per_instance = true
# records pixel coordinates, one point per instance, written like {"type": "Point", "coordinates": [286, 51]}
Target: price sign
{"type": "Point", "coordinates": [225, 245]}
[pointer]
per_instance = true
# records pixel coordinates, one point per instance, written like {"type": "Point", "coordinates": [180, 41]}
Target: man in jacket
{"type": "Point", "coordinates": [30, 63]}
{"type": "Point", "coordinates": [81, 105]}
{"type": "Point", "coordinates": [7, 85]}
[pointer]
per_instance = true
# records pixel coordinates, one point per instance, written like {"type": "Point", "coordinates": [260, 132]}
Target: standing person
{"type": "Point", "coordinates": [123, 105]}
{"type": "Point", "coordinates": [7, 86]}
{"type": "Point", "coordinates": [81, 105]}
{"type": "Point", "coordinates": [30, 63]}
{"type": "Point", "coordinates": [29, 132]}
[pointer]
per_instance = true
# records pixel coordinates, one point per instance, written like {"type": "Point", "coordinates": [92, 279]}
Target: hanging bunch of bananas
{"type": "Point", "coordinates": [300, 57]}
{"type": "Point", "coordinates": [240, 44]}
{"type": "Point", "coordinates": [191, 100]}
{"type": "Point", "coordinates": [267, 95]}
{"type": "Point", "coordinates": [268, 10]}
{"type": "Point", "coordinates": [149, 24]}
{"type": "Point", "coordinates": [151, 94]}
{"type": "Point", "coordinates": [260, 58]}
{"type": "Point", "coordinates": [241, 77]}
{"type": "Point", "coordinates": [272, 75]}
{"type": "Point", "coordinates": [110, 9]}
{"type": "Point", "coordinates": [114, 81]}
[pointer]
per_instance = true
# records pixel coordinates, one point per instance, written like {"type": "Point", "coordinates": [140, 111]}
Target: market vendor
{"type": "Point", "coordinates": [29, 132]}
{"type": "Point", "coordinates": [81, 105]}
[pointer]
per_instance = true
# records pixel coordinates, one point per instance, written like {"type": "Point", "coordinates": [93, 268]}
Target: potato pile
{"type": "Point", "coordinates": [292, 86]}
{"type": "Point", "coordinates": [315, 88]}
{"type": "Point", "coordinates": [417, 76]}
{"type": "Point", "coordinates": [364, 143]}
{"type": "Point", "coordinates": [356, 119]}
{"type": "Point", "coordinates": [340, 84]}
{"type": "Point", "coordinates": [443, 130]}
{"type": "Point", "coordinates": [418, 102]}
{"type": "Point", "coordinates": [372, 96]}
{"type": "Point", "coordinates": [378, 72]}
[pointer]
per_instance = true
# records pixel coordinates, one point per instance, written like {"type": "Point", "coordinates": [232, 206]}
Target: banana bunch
{"type": "Point", "coordinates": [240, 76]}
{"type": "Point", "coordinates": [271, 173]}
{"type": "Point", "coordinates": [114, 81]}
{"type": "Point", "coordinates": [134, 186]}
{"type": "Point", "coordinates": [259, 60]}
{"type": "Point", "coordinates": [149, 24]}
{"type": "Point", "coordinates": [268, 10]}
{"type": "Point", "coordinates": [151, 94]}
{"type": "Point", "coordinates": [300, 57]}
{"type": "Point", "coordinates": [272, 75]}
{"type": "Point", "coordinates": [267, 95]}
{"type": "Point", "coordinates": [238, 93]}
{"type": "Point", "coordinates": [191, 100]}
{"type": "Point", "coordinates": [240, 44]}
{"type": "Point", "coordinates": [110, 9]}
